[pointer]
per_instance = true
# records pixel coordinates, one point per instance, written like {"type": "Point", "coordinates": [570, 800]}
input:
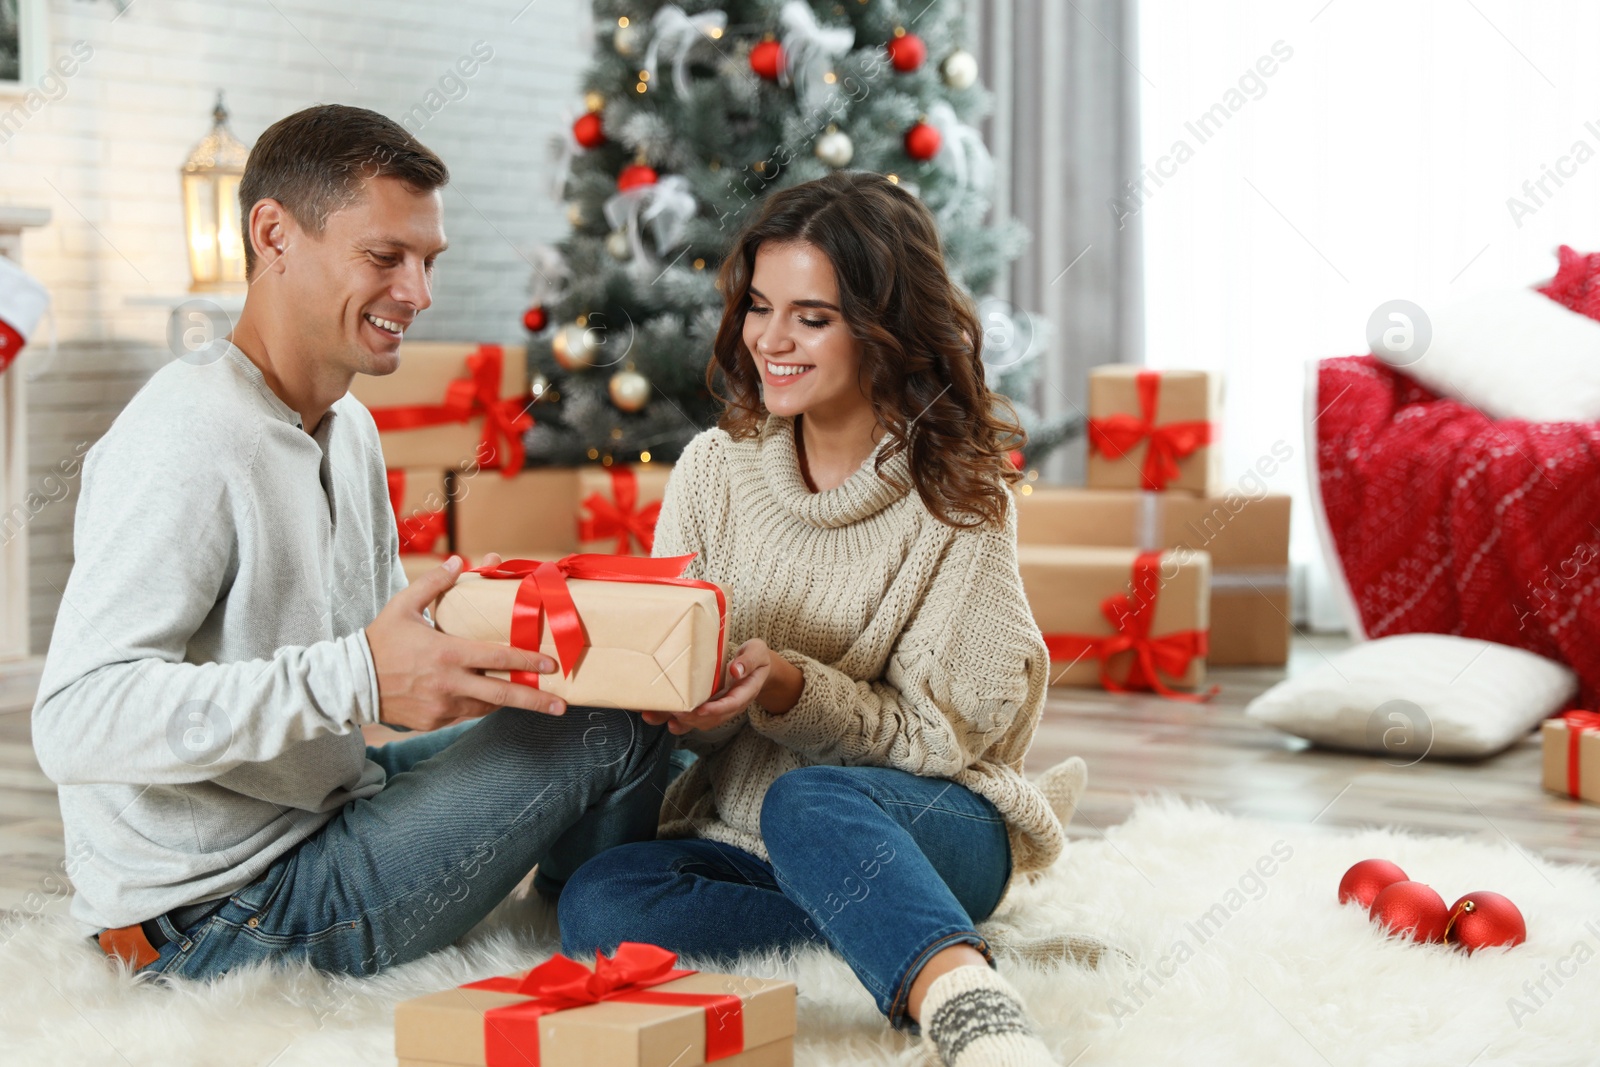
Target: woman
{"type": "Point", "coordinates": [859, 781]}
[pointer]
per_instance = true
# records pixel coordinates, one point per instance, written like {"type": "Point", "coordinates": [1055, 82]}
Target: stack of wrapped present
{"type": "Point", "coordinates": [633, 1009]}
{"type": "Point", "coordinates": [451, 421]}
{"type": "Point", "coordinates": [1153, 570]}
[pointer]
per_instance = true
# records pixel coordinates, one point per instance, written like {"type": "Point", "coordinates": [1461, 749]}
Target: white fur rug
{"type": "Point", "coordinates": [1281, 975]}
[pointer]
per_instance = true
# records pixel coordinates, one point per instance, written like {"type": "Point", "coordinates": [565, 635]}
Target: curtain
{"type": "Point", "coordinates": [1064, 133]}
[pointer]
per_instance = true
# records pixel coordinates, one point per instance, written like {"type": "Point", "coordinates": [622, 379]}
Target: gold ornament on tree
{"type": "Point", "coordinates": [627, 38]}
{"type": "Point", "coordinates": [617, 244]}
{"type": "Point", "coordinates": [629, 390]}
{"type": "Point", "coordinates": [835, 148]}
{"type": "Point", "coordinates": [960, 70]}
{"type": "Point", "coordinates": [574, 347]}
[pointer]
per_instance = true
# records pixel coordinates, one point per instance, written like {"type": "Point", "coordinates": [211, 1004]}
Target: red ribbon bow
{"type": "Point", "coordinates": [1131, 616]}
{"type": "Point", "coordinates": [419, 531]}
{"type": "Point", "coordinates": [11, 343]}
{"type": "Point", "coordinates": [543, 595]}
{"type": "Point", "coordinates": [1578, 724]}
{"type": "Point", "coordinates": [1116, 435]}
{"type": "Point", "coordinates": [621, 517]}
{"type": "Point", "coordinates": [511, 1033]}
{"type": "Point", "coordinates": [476, 394]}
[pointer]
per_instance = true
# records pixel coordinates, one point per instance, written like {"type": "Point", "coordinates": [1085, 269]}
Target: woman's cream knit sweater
{"type": "Point", "coordinates": [915, 639]}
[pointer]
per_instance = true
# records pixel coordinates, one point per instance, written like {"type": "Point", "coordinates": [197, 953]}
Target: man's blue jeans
{"type": "Point", "coordinates": [885, 867]}
{"type": "Point", "coordinates": [466, 812]}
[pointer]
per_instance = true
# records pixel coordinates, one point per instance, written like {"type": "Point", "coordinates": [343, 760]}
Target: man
{"type": "Point", "coordinates": [224, 634]}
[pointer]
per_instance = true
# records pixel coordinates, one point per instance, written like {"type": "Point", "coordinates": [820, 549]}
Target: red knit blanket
{"type": "Point", "coordinates": [1446, 521]}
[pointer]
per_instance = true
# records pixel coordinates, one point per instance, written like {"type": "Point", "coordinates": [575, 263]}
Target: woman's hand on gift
{"type": "Point", "coordinates": [427, 679]}
{"type": "Point", "coordinates": [755, 673]}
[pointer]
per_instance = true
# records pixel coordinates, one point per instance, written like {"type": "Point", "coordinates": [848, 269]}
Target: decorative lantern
{"type": "Point", "coordinates": [211, 207]}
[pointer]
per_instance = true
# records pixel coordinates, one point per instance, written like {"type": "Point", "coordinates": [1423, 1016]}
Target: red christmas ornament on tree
{"type": "Point", "coordinates": [767, 60]}
{"type": "Point", "coordinates": [906, 52]}
{"type": "Point", "coordinates": [635, 175]}
{"type": "Point", "coordinates": [1479, 920]}
{"type": "Point", "coordinates": [922, 142]}
{"type": "Point", "coordinates": [1413, 910]}
{"type": "Point", "coordinates": [589, 130]}
{"type": "Point", "coordinates": [535, 318]}
{"type": "Point", "coordinates": [1364, 881]}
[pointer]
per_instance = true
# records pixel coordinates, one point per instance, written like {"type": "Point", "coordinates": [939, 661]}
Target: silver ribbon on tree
{"type": "Point", "coordinates": [810, 51]}
{"type": "Point", "coordinates": [665, 207]}
{"type": "Point", "coordinates": [675, 35]}
{"type": "Point", "coordinates": [961, 152]}
{"type": "Point", "coordinates": [548, 281]}
{"type": "Point", "coordinates": [565, 146]}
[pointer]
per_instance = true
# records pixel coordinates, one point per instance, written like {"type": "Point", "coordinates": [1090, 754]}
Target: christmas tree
{"type": "Point", "coordinates": [695, 111]}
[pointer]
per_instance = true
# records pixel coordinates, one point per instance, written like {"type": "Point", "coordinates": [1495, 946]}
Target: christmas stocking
{"type": "Point", "coordinates": [22, 302]}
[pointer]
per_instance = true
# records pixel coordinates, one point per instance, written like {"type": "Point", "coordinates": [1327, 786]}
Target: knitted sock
{"type": "Point", "coordinates": [971, 1016]}
{"type": "Point", "coordinates": [1063, 785]}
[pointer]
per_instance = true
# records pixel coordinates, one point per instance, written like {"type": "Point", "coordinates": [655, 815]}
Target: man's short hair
{"type": "Point", "coordinates": [315, 161]}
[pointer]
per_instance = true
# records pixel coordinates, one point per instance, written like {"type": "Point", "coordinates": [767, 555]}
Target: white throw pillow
{"type": "Point", "coordinates": [1415, 695]}
{"type": "Point", "coordinates": [1515, 354]}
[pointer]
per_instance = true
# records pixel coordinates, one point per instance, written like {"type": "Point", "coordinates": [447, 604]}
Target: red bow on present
{"type": "Point", "coordinates": [621, 516]}
{"type": "Point", "coordinates": [543, 595]}
{"type": "Point", "coordinates": [1578, 724]}
{"type": "Point", "coordinates": [511, 1033]}
{"type": "Point", "coordinates": [420, 531]}
{"type": "Point", "coordinates": [476, 394]}
{"type": "Point", "coordinates": [1131, 616]}
{"type": "Point", "coordinates": [1116, 435]}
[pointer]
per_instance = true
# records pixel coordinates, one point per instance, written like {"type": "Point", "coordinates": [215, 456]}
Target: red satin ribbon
{"type": "Point", "coordinates": [1578, 724]}
{"type": "Point", "coordinates": [11, 343]}
{"type": "Point", "coordinates": [1117, 435]}
{"type": "Point", "coordinates": [419, 531]}
{"type": "Point", "coordinates": [621, 516]}
{"type": "Point", "coordinates": [511, 1033]}
{"type": "Point", "coordinates": [544, 596]}
{"type": "Point", "coordinates": [476, 394]}
{"type": "Point", "coordinates": [1131, 617]}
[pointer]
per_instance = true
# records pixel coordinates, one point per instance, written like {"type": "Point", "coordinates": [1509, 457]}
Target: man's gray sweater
{"type": "Point", "coordinates": [209, 673]}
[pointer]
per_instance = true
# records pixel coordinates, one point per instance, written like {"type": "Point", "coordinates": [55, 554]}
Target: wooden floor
{"type": "Point", "coordinates": [1134, 745]}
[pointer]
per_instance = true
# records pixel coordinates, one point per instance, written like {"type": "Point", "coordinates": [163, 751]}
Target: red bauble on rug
{"type": "Point", "coordinates": [1479, 920]}
{"type": "Point", "coordinates": [1411, 909]}
{"type": "Point", "coordinates": [1367, 879]}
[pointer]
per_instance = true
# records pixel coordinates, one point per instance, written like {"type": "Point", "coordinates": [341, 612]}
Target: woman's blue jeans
{"type": "Point", "coordinates": [466, 812]}
{"type": "Point", "coordinates": [887, 868]}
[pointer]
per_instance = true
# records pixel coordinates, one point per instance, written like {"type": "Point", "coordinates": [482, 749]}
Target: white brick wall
{"type": "Point", "coordinates": [104, 157]}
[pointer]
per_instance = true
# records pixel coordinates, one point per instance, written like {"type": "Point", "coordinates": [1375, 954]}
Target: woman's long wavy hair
{"type": "Point", "coordinates": [919, 336]}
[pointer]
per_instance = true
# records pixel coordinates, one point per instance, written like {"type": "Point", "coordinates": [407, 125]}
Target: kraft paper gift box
{"type": "Point", "coordinates": [529, 515]}
{"type": "Point", "coordinates": [1246, 537]}
{"type": "Point", "coordinates": [1154, 430]}
{"type": "Point", "coordinates": [1119, 618]}
{"type": "Point", "coordinates": [633, 634]}
{"type": "Point", "coordinates": [450, 405]}
{"type": "Point", "coordinates": [618, 505]}
{"type": "Point", "coordinates": [1571, 744]}
{"type": "Point", "coordinates": [628, 1014]}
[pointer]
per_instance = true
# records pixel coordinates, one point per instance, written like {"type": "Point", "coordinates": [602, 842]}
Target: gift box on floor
{"type": "Point", "coordinates": [451, 405]}
{"type": "Point", "coordinates": [1154, 429]}
{"type": "Point", "coordinates": [633, 1010]}
{"type": "Point", "coordinates": [627, 631]}
{"type": "Point", "coordinates": [1571, 743]}
{"type": "Point", "coordinates": [529, 515]}
{"type": "Point", "coordinates": [1120, 618]}
{"type": "Point", "coordinates": [1246, 537]}
{"type": "Point", "coordinates": [618, 505]}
